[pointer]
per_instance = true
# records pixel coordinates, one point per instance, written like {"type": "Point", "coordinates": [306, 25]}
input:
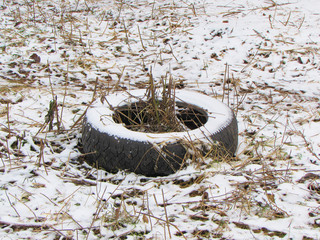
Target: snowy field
{"type": "Point", "coordinates": [261, 57]}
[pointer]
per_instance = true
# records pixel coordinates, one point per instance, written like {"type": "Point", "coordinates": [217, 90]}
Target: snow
{"type": "Point", "coordinates": [270, 51]}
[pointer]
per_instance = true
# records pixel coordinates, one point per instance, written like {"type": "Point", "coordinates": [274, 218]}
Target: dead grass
{"type": "Point", "coordinates": [157, 113]}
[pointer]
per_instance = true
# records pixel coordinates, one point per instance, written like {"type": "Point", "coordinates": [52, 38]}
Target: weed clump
{"type": "Point", "coordinates": [160, 112]}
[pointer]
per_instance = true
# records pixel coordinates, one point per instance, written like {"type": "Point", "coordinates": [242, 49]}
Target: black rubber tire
{"type": "Point", "coordinates": [112, 152]}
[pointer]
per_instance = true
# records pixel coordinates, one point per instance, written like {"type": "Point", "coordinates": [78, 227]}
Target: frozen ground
{"type": "Point", "coordinates": [260, 57]}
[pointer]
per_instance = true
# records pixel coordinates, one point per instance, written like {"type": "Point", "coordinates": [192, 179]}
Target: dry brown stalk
{"type": "Point", "coordinates": [11, 204]}
{"type": "Point", "coordinates": [165, 221]}
{"type": "Point", "coordinates": [17, 225]}
{"type": "Point", "coordinates": [65, 91]}
{"type": "Point", "coordinates": [41, 154]}
{"type": "Point", "coordinates": [68, 198]}
{"type": "Point", "coordinates": [127, 36]}
{"type": "Point", "coordinates": [140, 37]}
{"type": "Point", "coordinates": [92, 100]}
{"type": "Point", "coordinates": [19, 200]}
{"type": "Point", "coordinates": [166, 214]}
{"type": "Point", "coordinates": [101, 205]}
{"type": "Point", "coordinates": [80, 227]}
{"type": "Point", "coordinates": [309, 146]}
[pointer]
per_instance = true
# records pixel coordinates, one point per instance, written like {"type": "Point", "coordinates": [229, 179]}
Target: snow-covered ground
{"type": "Point", "coordinates": [260, 57]}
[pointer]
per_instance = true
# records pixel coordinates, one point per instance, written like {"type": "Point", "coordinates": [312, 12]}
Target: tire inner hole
{"type": "Point", "coordinates": [136, 117]}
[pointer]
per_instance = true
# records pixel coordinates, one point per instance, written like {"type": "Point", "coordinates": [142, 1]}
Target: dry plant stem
{"type": "Point", "coordinates": [284, 132]}
{"type": "Point", "coordinates": [275, 13]}
{"type": "Point", "coordinates": [227, 195]}
{"type": "Point", "coordinates": [142, 159]}
{"type": "Point", "coordinates": [140, 37]}
{"type": "Point", "coordinates": [268, 123]}
{"type": "Point", "coordinates": [3, 163]}
{"type": "Point", "coordinates": [101, 206]}
{"type": "Point", "coordinates": [236, 98]}
{"type": "Point", "coordinates": [9, 135]}
{"type": "Point", "coordinates": [41, 154]}
{"type": "Point", "coordinates": [25, 206]}
{"type": "Point", "coordinates": [286, 23]}
{"type": "Point", "coordinates": [253, 57]}
{"type": "Point", "coordinates": [25, 225]}
{"type": "Point", "coordinates": [172, 52]}
{"type": "Point", "coordinates": [8, 119]}
{"type": "Point", "coordinates": [92, 100]}
{"type": "Point", "coordinates": [270, 197]}
{"type": "Point", "coordinates": [194, 10]}
{"type": "Point", "coordinates": [155, 113]}
{"type": "Point", "coordinates": [309, 146]}
{"type": "Point", "coordinates": [117, 212]}
{"type": "Point", "coordinates": [9, 152]}
{"type": "Point", "coordinates": [275, 104]}
{"type": "Point", "coordinates": [59, 231]}
{"type": "Point", "coordinates": [11, 204]}
{"type": "Point", "coordinates": [126, 32]}
{"type": "Point", "coordinates": [116, 86]}
{"type": "Point", "coordinates": [65, 90]}
{"type": "Point", "coordinates": [152, 11]}
{"type": "Point", "coordinates": [240, 102]}
{"type": "Point", "coordinates": [165, 211]}
{"type": "Point", "coordinates": [120, 8]}
{"type": "Point", "coordinates": [301, 22]}
{"type": "Point", "coordinates": [155, 200]}
{"type": "Point", "coordinates": [149, 211]}
{"type": "Point", "coordinates": [66, 212]}
{"type": "Point", "coordinates": [224, 81]}
{"type": "Point", "coordinates": [66, 165]}
{"type": "Point", "coordinates": [152, 91]}
{"type": "Point", "coordinates": [165, 221]}
{"type": "Point", "coordinates": [69, 198]}
{"type": "Point", "coordinates": [54, 107]}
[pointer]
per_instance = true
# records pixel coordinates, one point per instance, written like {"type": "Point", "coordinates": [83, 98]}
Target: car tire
{"type": "Point", "coordinates": [112, 146]}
